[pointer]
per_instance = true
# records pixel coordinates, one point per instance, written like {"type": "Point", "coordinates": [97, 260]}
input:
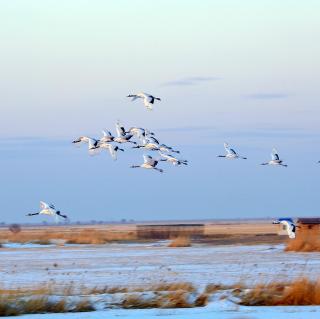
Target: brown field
{"type": "Point", "coordinates": [217, 234]}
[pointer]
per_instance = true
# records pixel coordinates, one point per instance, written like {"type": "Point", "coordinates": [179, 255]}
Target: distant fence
{"type": "Point", "coordinates": [169, 231]}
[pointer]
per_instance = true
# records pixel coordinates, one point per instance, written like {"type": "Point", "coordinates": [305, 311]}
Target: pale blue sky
{"type": "Point", "coordinates": [241, 71]}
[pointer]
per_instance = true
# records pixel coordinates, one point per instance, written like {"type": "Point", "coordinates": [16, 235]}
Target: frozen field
{"type": "Point", "coordinates": [136, 264]}
{"type": "Point", "coordinates": [210, 312]}
{"type": "Point", "coordinates": [114, 265]}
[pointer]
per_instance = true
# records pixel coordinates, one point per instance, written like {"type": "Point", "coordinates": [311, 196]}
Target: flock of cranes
{"type": "Point", "coordinates": [144, 139]}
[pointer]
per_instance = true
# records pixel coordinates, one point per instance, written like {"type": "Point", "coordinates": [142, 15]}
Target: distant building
{"type": "Point", "coordinates": [309, 223]}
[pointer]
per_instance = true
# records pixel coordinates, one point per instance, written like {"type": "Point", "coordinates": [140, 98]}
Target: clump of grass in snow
{"type": "Point", "coordinates": [202, 300]}
{"type": "Point", "coordinates": [175, 286]}
{"type": "Point", "coordinates": [41, 305]}
{"type": "Point", "coordinates": [300, 292]}
{"type": "Point", "coordinates": [13, 306]}
{"type": "Point", "coordinates": [106, 290]}
{"type": "Point", "coordinates": [212, 288]}
{"type": "Point", "coordinates": [135, 301]}
{"type": "Point", "coordinates": [176, 299]}
{"type": "Point", "coordinates": [83, 306]}
{"type": "Point", "coordinates": [185, 286]}
{"type": "Point", "coordinates": [307, 240]}
{"type": "Point", "coordinates": [171, 299]}
{"type": "Point", "coordinates": [180, 241]}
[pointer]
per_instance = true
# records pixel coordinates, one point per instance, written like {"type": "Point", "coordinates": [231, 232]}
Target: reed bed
{"type": "Point", "coordinates": [52, 299]}
{"type": "Point", "coordinates": [181, 241]}
{"type": "Point", "coordinates": [307, 240]}
{"type": "Point", "coordinates": [65, 235]}
{"type": "Point", "coordinates": [300, 292]}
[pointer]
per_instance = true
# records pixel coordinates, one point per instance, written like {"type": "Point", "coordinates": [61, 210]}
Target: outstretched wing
{"type": "Point", "coordinates": [152, 139]}
{"type": "Point", "coordinates": [106, 133]}
{"type": "Point", "coordinates": [92, 143]}
{"type": "Point", "coordinates": [229, 150]}
{"type": "Point", "coordinates": [134, 97]}
{"type": "Point", "coordinates": [148, 159]}
{"type": "Point", "coordinates": [61, 215]}
{"type": "Point", "coordinates": [150, 99]}
{"type": "Point", "coordinates": [166, 156]}
{"type": "Point", "coordinates": [112, 152]}
{"type": "Point", "coordinates": [120, 130]}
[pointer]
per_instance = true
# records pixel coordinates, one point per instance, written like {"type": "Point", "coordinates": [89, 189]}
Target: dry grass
{"type": "Point", "coordinates": [163, 287]}
{"type": "Point", "coordinates": [10, 306]}
{"type": "Point", "coordinates": [300, 292]}
{"type": "Point", "coordinates": [105, 290]}
{"type": "Point", "coordinates": [172, 299]}
{"type": "Point", "coordinates": [212, 288]}
{"type": "Point", "coordinates": [176, 299]}
{"type": "Point", "coordinates": [166, 295]}
{"type": "Point", "coordinates": [39, 299]}
{"type": "Point", "coordinates": [307, 240]}
{"type": "Point", "coordinates": [134, 301]}
{"type": "Point", "coordinates": [202, 300]}
{"type": "Point", "coordinates": [83, 306]}
{"type": "Point", "coordinates": [184, 286]}
{"type": "Point", "coordinates": [47, 235]}
{"type": "Point", "coordinates": [180, 241]}
{"type": "Point", "coordinates": [36, 291]}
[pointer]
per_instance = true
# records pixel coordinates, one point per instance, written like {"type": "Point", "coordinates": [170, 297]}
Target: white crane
{"type": "Point", "coordinates": [275, 160]}
{"type": "Point", "coordinates": [49, 210]}
{"type": "Point", "coordinates": [122, 136]}
{"type": "Point", "coordinates": [289, 226]}
{"type": "Point", "coordinates": [139, 132]}
{"type": "Point", "coordinates": [149, 145]}
{"type": "Point", "coordinates": [107, 137]}
{"type": "Point", "coordinates": [92, 143]}
{"type": "Point", "coordinates": [148, 99]}
{"type": "Point", "coordinates": [148, 163]}
{"type": "Point", "coordinates": [171, 159]}
{"type": "Point", "coordinates": [168, 149]}
{"type": "Point", "coordinates": [230, 153]}
{"type": "Point", "coordinates": [112, 149]}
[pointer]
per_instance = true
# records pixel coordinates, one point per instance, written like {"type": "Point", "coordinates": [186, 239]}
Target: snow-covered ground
{"type": "Point", "coordinates": [131, 265]}
{"type": "Point", "coordinates": [121, 264]}
{"type": "Point", "coordinates": [209, 312]}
